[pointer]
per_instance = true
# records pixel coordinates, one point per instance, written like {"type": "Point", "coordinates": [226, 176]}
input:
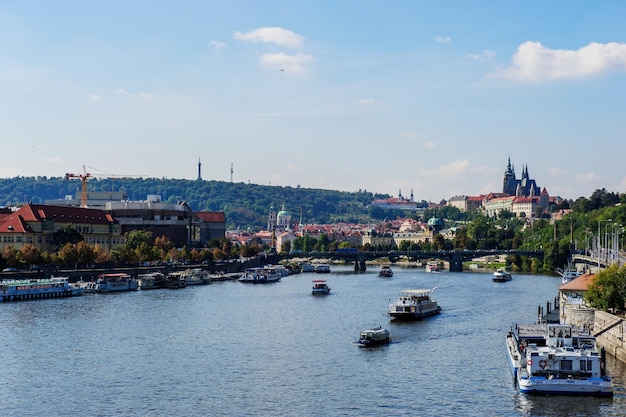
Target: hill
{"type": "Point", "coordinates": [245, 205]}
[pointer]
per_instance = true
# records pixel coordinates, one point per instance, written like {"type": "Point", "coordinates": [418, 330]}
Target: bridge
{"type": "Point", "coordinates": [454, 257]}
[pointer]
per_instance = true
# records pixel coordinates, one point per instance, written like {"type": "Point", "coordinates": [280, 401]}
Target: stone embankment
{"type": "Point", "coordinates": [610, 331]}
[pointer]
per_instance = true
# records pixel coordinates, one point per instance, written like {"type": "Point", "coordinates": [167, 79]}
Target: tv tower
{"type": "Point", "coordinates": [231, 172]}
{"type": "Point", "coordinates": [199, 170]}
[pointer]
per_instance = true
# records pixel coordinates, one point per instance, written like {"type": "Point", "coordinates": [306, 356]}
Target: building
{"type": "Point", "coordinates": [524, 187]}
{"type": "Point", "coordinates": [397, 203]}
{"type": "Point", "coordinates": [573, 308]}
{"type": "Point", "coordinates": [35, 224]}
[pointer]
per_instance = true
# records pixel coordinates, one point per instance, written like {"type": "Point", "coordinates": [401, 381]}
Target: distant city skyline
{"type": "Point", "coordinates": [432, 97]}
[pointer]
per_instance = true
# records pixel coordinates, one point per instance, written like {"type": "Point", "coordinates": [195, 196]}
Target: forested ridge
{"type": "Point", "coordinates": [245, 205]}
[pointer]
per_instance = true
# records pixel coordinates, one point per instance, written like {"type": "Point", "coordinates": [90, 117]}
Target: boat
{"type": "Point", "coordinates": [174, 281]}
{"type": "Point", "coordinates": [37, 289]}
{"type": "Point", "coordinates": [193, 276]}
{"type": "Point", "coordinates": [260, 275]}
{"type": "Point", "coordinates": [322, 269]}
{"type": "Point", "coordinates": [557, 359]}
{"type": "Point", "coordinates": [374, 337]}
{"type": "Point", "coordinates": [113, 282]}
{"type": "Point", "coordinates": [385, 271]}
{"type": "Point", "coordinates": [320, 287]}
{"type": "Point", "coordinates": [150, 280]}
{"type": "Point", "coordinates": [414, 305]}
{"type": "Point", "coordinates": [501, 275]}
{"type": "Point", "coordinates": [432, 266]}
{"type": "Point", "coordinates": [308, 267]}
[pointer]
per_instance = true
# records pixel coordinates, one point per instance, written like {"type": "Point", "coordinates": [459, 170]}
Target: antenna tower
{"type": "Point", "coordinates": [231, 172]}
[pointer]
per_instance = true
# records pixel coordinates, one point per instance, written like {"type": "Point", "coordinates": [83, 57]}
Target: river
{"type": "Point", "coordinates": [233, 349]}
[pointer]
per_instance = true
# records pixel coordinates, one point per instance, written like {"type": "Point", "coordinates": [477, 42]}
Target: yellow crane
{"type": "Point", "coordinates": [84, 175]}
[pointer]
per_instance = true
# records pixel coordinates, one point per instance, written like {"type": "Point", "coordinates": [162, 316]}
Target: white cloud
{"type": "Point", "coordinates": [366, 101]}
{"type": "Point", "coordinates": [121, 91]}
{"type": "Point", "coordinates": [441, 39]}
{"type": "Point", "coordinates": [484, 55]}
{"type": "Point", "coordinates": [93, 97]}
{"type": "Point", "coordinates": [534, 62]}
{"type": "Point", "coordinates": [146, 96]}
{"type": "Point", "coordinates": [557, 171]}
{"type": "Point", "coordinates": [429, 144]}
{"type": "Point", "coordinates": [588, 177]}
{"type": "Point", "coordinates": [275, 35]}
{"type": "Point", "coordinates": [294, 64]}
{"type": "Point", "coordinates": [409, 135]}
{"type": "Point", "coordinates": [217, 45]}
{"type": "Point", "coordinates": [453, 169]}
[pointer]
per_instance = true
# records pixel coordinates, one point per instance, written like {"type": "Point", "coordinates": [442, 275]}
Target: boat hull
{"type": "Point", "coordinates": [541, 385]}
{"type": "Point", "coordinates": [416, 315]}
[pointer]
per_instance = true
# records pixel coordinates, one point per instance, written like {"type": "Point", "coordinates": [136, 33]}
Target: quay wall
{"type": "Point", "coordinates": [612, 340]}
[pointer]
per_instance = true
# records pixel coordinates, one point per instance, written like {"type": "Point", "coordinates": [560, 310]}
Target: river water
{"type": "Point", "coordinates": [233, 349]}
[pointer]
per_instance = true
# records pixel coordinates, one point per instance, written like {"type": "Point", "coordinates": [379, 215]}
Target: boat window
{"type": "Point", "coordinates": [586, 365]}
{"type": "Point", "coordinates": [566, 365]}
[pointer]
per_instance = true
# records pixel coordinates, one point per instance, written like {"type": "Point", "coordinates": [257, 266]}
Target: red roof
{"type": "Point", "coordinates": [211, 216]}
{"type": "Point", "coordinates": [580, 283]}
{"type": "Point", "coordinates": [64, 214]}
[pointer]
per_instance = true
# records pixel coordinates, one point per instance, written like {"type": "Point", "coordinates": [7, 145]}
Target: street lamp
{"type": "Point", "coordinates": [599, 241]}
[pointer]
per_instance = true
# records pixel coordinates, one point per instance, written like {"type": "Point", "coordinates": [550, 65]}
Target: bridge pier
{"type": "Point", "coordinates": [359, 265]}
{"type": "Point", "coordinates": [456, 262]}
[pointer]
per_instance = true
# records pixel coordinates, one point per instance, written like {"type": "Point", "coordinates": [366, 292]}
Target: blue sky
{"type": "Point", "coordinates": [429, 96]}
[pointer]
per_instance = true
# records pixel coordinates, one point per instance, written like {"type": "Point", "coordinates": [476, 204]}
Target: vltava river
{"type": "Point", "coordinates": [233, 349]}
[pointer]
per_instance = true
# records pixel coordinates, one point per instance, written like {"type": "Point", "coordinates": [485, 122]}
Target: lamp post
{"type": "Point", "coordinates": [599, 240]}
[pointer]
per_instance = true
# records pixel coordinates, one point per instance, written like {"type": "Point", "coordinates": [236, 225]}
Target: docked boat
{"type": "Point", "coordinates": [385, 271]}
{"type": "Point", "coordinates": [320, 287]}
{"type": "Point", "coordinates": [501, 275]}
{"type": "Point", "coordinates": [37, 289]}
{"type": "Point", "coordinates": [114, 282]}
{"type": "Point", "coordinates": [414, 305]}
{"type": "Point", "coordinates": [322, 269]}
{"type": "Point", "coordinates": [557, 359]}
{"type": "Point", "coordinates": [568, 273]}
{"type": "Point", "coordinates": [308, 267]}
{"type": "Point", "coordinates": [193, 276]}
{"type": "Point", "coordinates": [432, 266]}
{"type": "Point", "coordinates": [374, 337]}
{"type": "Point", "coordinates": [150, 281]}
{"type": "Point", "coordinates": [260, 275]}
{"type": "Point", "coordinates": [174, 282]}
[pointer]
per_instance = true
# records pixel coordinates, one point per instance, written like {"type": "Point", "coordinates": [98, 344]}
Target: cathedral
{"type": "Point", "coordinates": [524, 187]}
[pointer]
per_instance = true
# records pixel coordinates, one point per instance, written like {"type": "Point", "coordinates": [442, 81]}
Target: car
{"type": "Point", "coordinates": [9, 269]}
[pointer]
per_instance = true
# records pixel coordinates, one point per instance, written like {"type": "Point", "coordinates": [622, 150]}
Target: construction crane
{"type": "Point", "coordinates": [84, 175]}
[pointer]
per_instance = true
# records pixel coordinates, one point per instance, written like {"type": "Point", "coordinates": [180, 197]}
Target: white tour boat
{"type": "Point", "coordinates": [308, 267]}
{"type": "Point", "coordinates": [385, 271]}
{"type": "Point", "coordinates": [260, 275]}
{"type": "Point", "coordinates": [414, 305]}
{"type": "Point", "coordinates": [557, 359]}
{"type": "Point", "coordinates": [320, 287]}
{"type": "Point", "coordinates": [374, 337]}
{"type": "Point", "coordinates": [501, 275]}
{"type": "Point", "coordinates": [150, 280]}
{"type": "Point", "coordinates": [432, 266]}
{"type": "Point", "coordinates": [322, 269]}
{"type": "Point", "coordinates": [37, 289]}
{"type": "Point", "coordinates": [193, 276]}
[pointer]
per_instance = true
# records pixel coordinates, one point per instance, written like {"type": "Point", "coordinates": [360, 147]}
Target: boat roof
{"type": "Point", "coordinates": [319, 280]}
{"type": "Point", "coordinates": [417, 292]}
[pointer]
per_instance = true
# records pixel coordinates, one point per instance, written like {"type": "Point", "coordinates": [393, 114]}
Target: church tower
{"type": "Point", "coordinates": [509, 184]}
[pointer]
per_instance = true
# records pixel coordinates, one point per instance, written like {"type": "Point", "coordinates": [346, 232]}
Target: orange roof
{"type": "Point", "coordinates": [580, 283]}
{"type": "Point", "coordinates": [211, 216]}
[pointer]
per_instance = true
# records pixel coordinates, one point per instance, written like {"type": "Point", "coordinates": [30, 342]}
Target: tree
{"type": "Point", "coordinates": [607, 290]}
{"type": "Point", "coordinates": [66, 234]}
{"type": "Point", "coordinates": [135, 238]}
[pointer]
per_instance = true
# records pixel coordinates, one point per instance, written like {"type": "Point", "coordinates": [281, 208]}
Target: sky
{"type": "Point", "coordinates": [429, 97]}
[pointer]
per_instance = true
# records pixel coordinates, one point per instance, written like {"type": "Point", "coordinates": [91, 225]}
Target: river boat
{"type": "Point", "coordinates": [37, 289]}
{"type": "Point", "coordinates": [432, 266]}
{"type": "Point", "coordinates": [322, 269]}
{"type": "Point", "coordinates": [150, 281]}
{"type": "Point", "coordinates": [308, 267]}
{"type": "Point", "coordinates": [112, 282]}
{"type": "Point", "coordinates": [557, 359]}
{"type": "Point", "coordinates": [320, 287]}
{"type": "Point", "coordinates": [374, 337]}
{"type": "Point", "coordinates": [568, 273]}
{"type": "Point", "coordinates": [414, 305]}
{"type": "Point", "coordinates": [174, 281]}
{"type": "Point", "coordinates": [193, 276]}
{"type": "Point", "coordinates": [501, 275]}
{"type": "Point", "coordinates": [260, 275]}
{"type": "Point", "coordinates": [385, 271]}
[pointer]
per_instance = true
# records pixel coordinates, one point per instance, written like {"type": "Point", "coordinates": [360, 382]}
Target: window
{"type": "Point", "coordinates": [566, 365]}
{"type": "Point", "coordinates": [586, 365]}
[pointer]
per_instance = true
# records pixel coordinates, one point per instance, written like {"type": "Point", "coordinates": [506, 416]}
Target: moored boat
{"type": "Point", "coordinates": [374, 337]}
{"type": "Point", "coordinates": [114, 282]}
{"type": "Point", "coordinates": [320, 287]}
{"type": "Point", "coordinates": [501, 275]}
{"type": "Point", "coordinates": [568, 273]}
{"type": "Point", "coordinates": [193, 276]}
{"type": "Point", "coordinates": [37, 289]}
{"type": "Point", "coordinates": [557, 359]}
{"type": "Point", "coordinates": [414, 305]}
{"type": "Point", "coordinates": [308, 267]}
{"type": "Point", "coordinates": [150, 280]}
{"type": "Point", "coordinates": [260, 275]}
{"type": "Point", "coordinates": [385, 271]}
{"type": "Point", "coordinates": [322, 269]}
